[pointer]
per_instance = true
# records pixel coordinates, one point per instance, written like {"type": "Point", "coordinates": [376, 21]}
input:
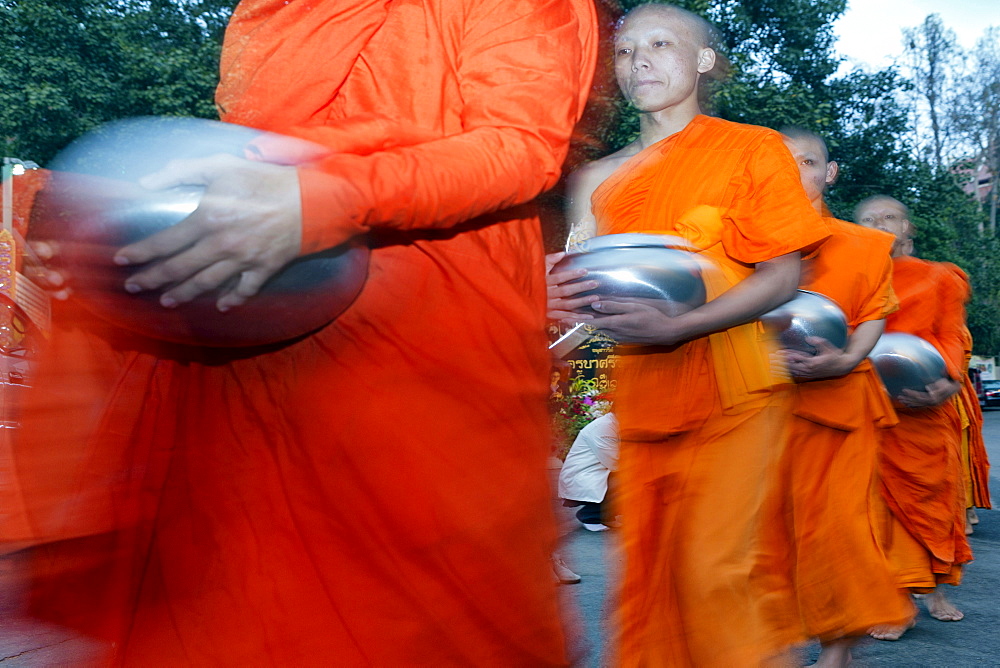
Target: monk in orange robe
{"type": "Point", "coordinates": [841, 579]}
{"type": "Point", "coordinates": [975, 461]}
{"type": "Point", "coordinates": [374, 493]}
{"type": "Point", "coordinates": [701, 421]}
{"type": "Point", "coordinates": [919, 465]}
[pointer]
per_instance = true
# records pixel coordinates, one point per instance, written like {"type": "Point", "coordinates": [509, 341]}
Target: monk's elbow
{"type": "Point", "coordinates": [789, 290]}
{"type": "Point", "coordinates": [783, 280]}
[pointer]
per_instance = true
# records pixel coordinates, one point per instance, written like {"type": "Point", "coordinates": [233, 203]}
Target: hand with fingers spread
{"type": "Point", "coordinates": [248, 226]}
{"type": "Point", "coordinates": [935, 394]}
{"type": "Point", "coordinates": [562, 302]}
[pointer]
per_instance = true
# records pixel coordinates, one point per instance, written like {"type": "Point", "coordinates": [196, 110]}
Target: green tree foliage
{"type": "Point", "coordinates": [69, 65]}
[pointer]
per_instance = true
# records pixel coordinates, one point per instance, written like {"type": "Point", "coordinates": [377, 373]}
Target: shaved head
{"type": "Point", "coordinates": [795, 133]}
{"type": "Point", "coordinates": [888, 214]}
{"type": "Point", "coordinates": [816, 170]}
{"type": "Point", "coordinates": [703, 32]}
{"type": "Point", "coordinates": [880, 201]}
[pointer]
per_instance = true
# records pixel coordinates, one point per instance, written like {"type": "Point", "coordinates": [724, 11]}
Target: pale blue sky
{"type": "Point", "coordinates": [870, 32]}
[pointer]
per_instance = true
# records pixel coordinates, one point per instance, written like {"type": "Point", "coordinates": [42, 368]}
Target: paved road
{"type": "Point", "coordinates": [973, 642]}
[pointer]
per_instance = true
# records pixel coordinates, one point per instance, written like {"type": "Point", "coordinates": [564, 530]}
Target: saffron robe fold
{"type": "Point", "coordinates": [700, 422]}
{"type": "Point", "coordinates": [920, 464]}
{"type": "Point", "coordinates": [842, 580]}
{"type": "Point", "coordinates": [374, 493]}
{"type": "Point", "coordinates": [975, 461]}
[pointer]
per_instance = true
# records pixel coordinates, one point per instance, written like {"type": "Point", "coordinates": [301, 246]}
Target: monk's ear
{"type": "Point", "coordinates": [706, 60]}
{"type": "Point", "coordinates": [832, 172]}
{"type": "Point", "coordinates": [908, 230]}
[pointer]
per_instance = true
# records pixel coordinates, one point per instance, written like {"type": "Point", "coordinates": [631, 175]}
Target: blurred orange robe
{"type": "Point", "coordinates": [920, 463]}
{"type": "Point", "coordinates": [975, 461]}
{"type": "Point", "coordinates": [374, 493]}
{"type": "Point", "coordinates": [842, 579]}
{"type": "Point", "coordinates": [13, 524]}
{"type": "Point", "coordinates": [700, 424]}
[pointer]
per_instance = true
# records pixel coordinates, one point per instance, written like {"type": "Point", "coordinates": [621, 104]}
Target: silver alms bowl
{"type": "Point", "coordinates": [641, 268]}
{"type": "Point", "coordinates": [93, 206]}
{"type": "Point", "coordinates": [806, 315]}
{"type": "Point", "coordinates": [906, 362]}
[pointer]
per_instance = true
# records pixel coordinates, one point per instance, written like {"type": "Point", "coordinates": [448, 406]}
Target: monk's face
{"type": "Point", "coordinates": [814, 170]}
{"type": "Point", "coordinates": [659, 58]}
{"type": "Point", "coordinates": [888, 216]}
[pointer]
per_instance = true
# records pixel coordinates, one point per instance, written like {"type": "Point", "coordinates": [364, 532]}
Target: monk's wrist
{"type": "Point", "coordinates": [848, 362]}
{"type": "Point", "coordinates": [333, 210]}
{"type": "Point", "coordinates": [684, 327]}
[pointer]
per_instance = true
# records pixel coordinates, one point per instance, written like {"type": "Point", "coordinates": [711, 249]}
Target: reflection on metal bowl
{"type": "Point", "coordinates": [906, 362]}
{"type": "Point", "coordinates": [641, 268]}
{"type": "Point", "coordinates": [93, 206]}
{"type": "Point", "coordinates": [807, 314]}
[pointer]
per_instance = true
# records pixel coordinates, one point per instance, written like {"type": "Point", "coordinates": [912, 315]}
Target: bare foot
{"type": "Point", "coordinates": [941, 608]}
{"type": "Point", "coordinates": [889, 632]}
{"type": "Point", "coordinates": [836, 654]}
{"type": "Point", "coordinates": [971, 516]}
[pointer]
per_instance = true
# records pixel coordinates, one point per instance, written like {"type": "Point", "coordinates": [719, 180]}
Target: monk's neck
{"type": "Point", "coordinates": [658, 125]}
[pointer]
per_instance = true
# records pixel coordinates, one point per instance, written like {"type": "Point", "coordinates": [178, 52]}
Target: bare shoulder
{"type": "Point", "coordinates": [581, 186]}
{"type": "Point", "coordinates": [586, 178]}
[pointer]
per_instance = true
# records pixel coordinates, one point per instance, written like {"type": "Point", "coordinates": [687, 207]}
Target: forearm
{"type": "Point", "coordinates": [773, 283]}
{"type": "Point", "coordinates": [436, 184]}
{"type": "Point", "coordinates": [861, 342]}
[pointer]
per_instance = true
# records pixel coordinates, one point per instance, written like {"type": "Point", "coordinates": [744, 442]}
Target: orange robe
{"type": "Point", "coordinates": [920, 464]}
{"type": "Point", "coordinates": [699, 421]}
{"type": "Point", "coordinates": [13, 524]}
{"type": "Point", "coordinates": [374, 493]}
{"type": "Point", "coordinates": [975, 462]}
{"type": "Point", "coordinates": [842, 580]}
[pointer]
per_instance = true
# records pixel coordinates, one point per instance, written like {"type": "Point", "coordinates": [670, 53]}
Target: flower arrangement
{"type": "Point", "coordinates": [571, 411]}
